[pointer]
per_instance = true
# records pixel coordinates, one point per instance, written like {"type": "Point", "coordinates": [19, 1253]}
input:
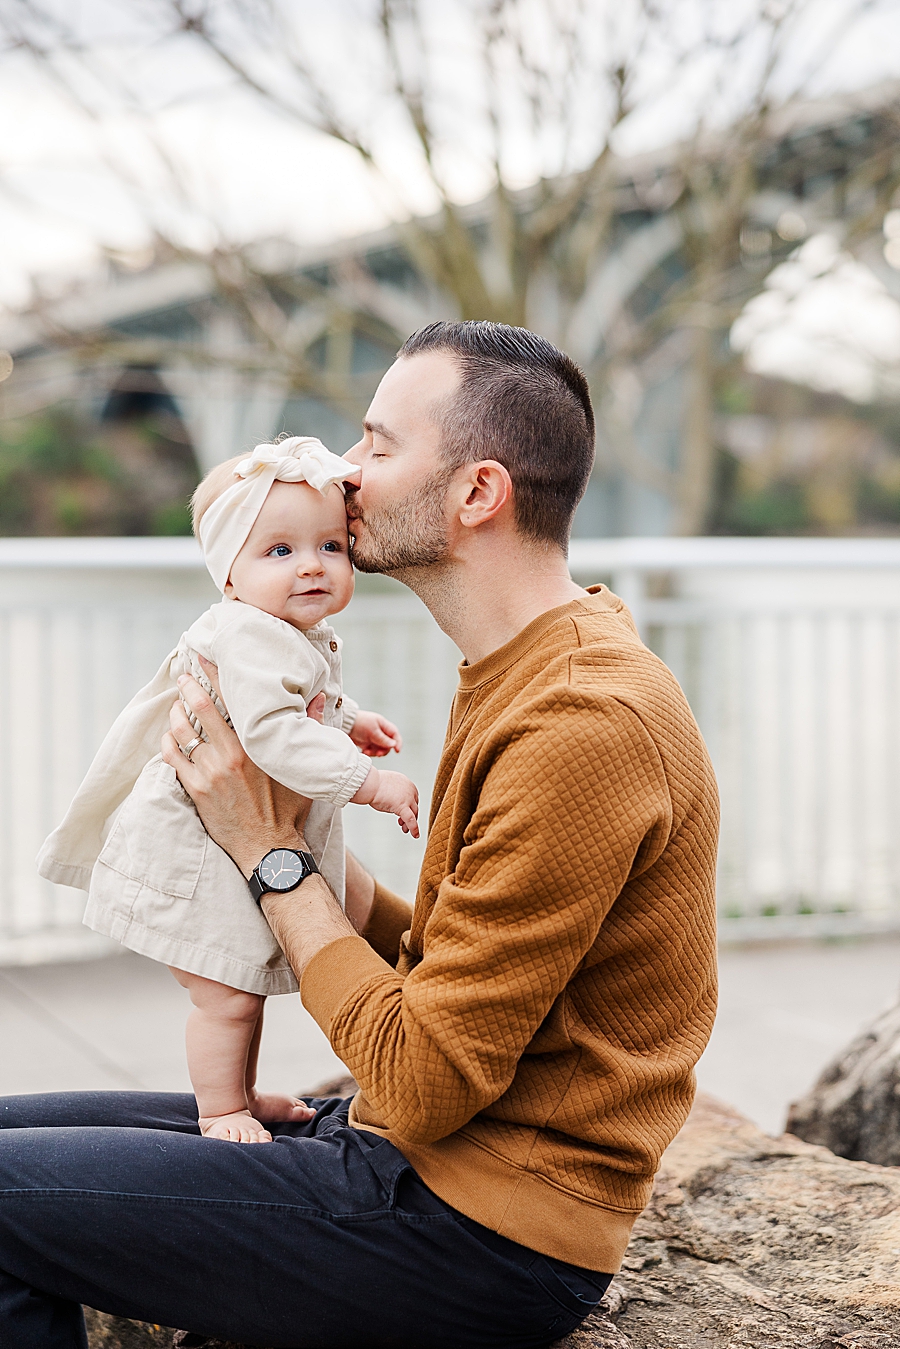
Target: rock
{"type": "Point", "coordinates": [854, 1108]}
{"type": "Point", "coordinates": [749, 1242]}
{"type": "Point", "coordinates": [113, 1332]}
{"type": "Point", "coordinates": [345, 1085]}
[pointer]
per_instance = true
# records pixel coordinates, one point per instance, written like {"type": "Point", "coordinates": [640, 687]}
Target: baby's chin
{"type": "Point", "coordinates": [307, 613]}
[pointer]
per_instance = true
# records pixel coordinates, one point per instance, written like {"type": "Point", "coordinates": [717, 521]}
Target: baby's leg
{"type": "Point", "coordinates": [222, 1037]}
{"type": "Point", "coordinates": [270, 1106]}
{"type": "Point", "coordinates": [219, 1034]}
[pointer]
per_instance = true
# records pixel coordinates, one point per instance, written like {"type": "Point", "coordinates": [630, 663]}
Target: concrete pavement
{"type": "Point", "coordinates": [119, 1023]}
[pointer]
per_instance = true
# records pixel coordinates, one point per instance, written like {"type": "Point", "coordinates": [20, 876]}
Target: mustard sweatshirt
{"type": "Point", "coordinates": [527, 1035]}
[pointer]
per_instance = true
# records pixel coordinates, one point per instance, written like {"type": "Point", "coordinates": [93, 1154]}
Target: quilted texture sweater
{"type": "Point", "coordinates": [527, 1035]}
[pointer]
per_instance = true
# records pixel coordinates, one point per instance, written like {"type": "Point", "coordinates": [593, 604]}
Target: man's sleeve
{"type": "Point", "coordinates": [389, 918]}
{"type": "Point", "coordinates": [568, 799]}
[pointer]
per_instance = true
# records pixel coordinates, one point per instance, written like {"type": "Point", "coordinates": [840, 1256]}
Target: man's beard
{"type": "Point", "coordinates": [409, 535]}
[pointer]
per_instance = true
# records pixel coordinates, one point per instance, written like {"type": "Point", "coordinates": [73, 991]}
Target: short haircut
{"type": "Point", "coordinates": [526, 404]}
{"type": "Point", "coordinates": [210, 488]}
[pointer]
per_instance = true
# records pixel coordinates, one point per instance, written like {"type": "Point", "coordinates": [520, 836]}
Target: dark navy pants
{"type": "Point", "coordinates": [324, 1238]}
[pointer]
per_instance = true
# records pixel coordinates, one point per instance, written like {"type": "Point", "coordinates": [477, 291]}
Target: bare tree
{"type": "Point", "coordinates": [497, 132]}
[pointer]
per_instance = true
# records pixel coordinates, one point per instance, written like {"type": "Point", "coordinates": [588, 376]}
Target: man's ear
{"type": "Point", "coordinates": [488, 489]}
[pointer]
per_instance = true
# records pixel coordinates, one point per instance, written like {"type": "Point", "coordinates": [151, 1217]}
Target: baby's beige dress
{"type": "Point", "coordinates": [157, 882]}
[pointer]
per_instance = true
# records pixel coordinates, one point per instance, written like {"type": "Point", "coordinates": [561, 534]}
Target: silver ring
{"type": "Point", "coordinates": [188, 749]}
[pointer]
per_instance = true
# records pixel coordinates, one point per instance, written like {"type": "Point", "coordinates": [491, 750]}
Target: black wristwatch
{"type": "Point", "coordinates": [281, 871]}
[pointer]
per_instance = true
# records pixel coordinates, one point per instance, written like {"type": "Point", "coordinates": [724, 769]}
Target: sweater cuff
{"type": "Point", "coordinates": [389, 919]}
{"type": "Point", "coordinates": [335, 974]}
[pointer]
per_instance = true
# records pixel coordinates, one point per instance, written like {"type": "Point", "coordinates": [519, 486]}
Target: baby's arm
{"type": "Point", "coordinates": [374, 735]}
{"type": "Point", "coordinates": [267, 674]}
{"type": "Point", "coordinates": [268, 711]}
{"type": "Point", "coordinates": [393, 793]}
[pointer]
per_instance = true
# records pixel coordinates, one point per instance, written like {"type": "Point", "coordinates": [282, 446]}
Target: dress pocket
{"type": "Point", "coordinates": [158, 838]}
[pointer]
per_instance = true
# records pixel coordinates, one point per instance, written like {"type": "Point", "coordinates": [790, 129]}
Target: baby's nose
{"type": "Point", "coordinates": [309, 564]}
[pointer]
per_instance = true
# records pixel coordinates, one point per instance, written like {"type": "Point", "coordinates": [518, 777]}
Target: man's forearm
{"type": "Point", "coordinates": [305, 920]}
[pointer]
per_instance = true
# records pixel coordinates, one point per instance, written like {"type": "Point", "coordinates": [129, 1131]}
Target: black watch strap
{"type": "Point", "coordinates": [307, 867]}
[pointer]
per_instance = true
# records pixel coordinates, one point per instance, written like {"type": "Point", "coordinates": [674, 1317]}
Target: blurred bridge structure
{"type": "Point", "coordinates": [788, 650]}
{"type": "Point", "coordinates": [240, 345]}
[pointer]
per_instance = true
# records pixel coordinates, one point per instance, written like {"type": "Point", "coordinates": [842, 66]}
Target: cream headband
{"type": "Point", "coordinates": [226, 526]}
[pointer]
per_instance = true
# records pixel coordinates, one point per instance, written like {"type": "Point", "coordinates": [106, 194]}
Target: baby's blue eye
{"type": "Point", "coordinates": [280, 550]}
{"type": "Point", "coordinates": [331, 547]}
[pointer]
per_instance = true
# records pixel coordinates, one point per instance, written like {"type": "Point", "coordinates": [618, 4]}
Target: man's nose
{"type": "Point", "coordinates": [355, 456]}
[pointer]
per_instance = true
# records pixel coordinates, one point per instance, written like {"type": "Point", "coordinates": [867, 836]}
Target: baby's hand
{"type": "Point", "coordinates": [375, 735]}
{"type": "Point", "coordinates": [393, 793]}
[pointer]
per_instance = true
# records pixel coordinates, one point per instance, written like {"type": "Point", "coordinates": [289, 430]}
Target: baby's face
{"type": "Point", "coordinates": [296, 561]}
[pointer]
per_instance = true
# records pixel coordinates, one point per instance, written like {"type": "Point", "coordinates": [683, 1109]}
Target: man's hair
{"type": "Point", "coordinates": [526, 404]}
{"type": "Point", "coordinates": [210, 488]}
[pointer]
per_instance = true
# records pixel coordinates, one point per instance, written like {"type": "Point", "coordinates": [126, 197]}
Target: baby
{"type": "Point", "coordinates": [274, 535]}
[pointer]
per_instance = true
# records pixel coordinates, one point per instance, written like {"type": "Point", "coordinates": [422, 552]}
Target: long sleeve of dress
{"type": "Point", "coordinates": [268, 672]}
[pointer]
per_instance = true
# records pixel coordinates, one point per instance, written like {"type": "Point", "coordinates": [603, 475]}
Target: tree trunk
{"type": "Point", "coordinates": [854, 1108]}
{"type": "Point", "coordinates": [696, 477]}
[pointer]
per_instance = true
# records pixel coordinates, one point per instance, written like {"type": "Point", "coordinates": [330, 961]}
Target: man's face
{"type": "Point", "coordinates": [397, 513]}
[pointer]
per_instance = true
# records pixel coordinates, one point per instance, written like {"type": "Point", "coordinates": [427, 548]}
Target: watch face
{"type": "Point", "coordinates": [282, 869]}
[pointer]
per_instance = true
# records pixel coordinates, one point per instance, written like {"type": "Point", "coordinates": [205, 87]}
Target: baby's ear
{"type": "Point", "coordinates": [229, 590]}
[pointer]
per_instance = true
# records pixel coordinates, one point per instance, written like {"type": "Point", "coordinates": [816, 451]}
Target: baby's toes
{"type": "Point", "coordinates": [300, 1111]}
{"type": "Point", "coordinates": [256, 1134]}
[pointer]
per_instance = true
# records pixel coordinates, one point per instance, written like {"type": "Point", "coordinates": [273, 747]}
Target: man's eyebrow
{"type": "Point", "coordinates": [379, 429]}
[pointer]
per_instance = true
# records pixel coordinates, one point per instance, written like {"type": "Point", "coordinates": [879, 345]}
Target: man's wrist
{"type": "Point", "coordinates": [305, 920]}
{"type": "Point", "coordinates": [251, 857]}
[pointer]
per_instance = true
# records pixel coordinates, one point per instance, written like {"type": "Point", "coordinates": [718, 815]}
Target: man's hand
{"type": "Point", "coordinates": [240, 805]}
{"type": "Point", "coordinates": [247, 814]}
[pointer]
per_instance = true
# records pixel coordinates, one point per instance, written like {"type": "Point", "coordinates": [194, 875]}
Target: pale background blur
{"type": "Point", "coordinates": [219, 221]}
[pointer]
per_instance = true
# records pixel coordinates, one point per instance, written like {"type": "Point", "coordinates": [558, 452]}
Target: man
{"type": "Point", "coordinates": [524, 1039]}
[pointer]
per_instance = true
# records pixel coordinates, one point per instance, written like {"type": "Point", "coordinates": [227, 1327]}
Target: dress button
{"type": "Point", "coordinates": [339, 703]}
{"type": "Point", "coordinates": [333, 645]}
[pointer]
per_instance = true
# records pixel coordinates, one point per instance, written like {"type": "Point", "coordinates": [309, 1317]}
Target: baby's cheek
{"type": "Point", "coordinates": [345, 578]}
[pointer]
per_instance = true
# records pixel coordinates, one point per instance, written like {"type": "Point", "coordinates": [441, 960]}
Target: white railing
{"type": "Point", "coordinates": [789, 651]}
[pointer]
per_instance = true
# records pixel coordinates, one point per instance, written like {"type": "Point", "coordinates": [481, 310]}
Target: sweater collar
{"type": "Point", "coordinates": [598, 598]}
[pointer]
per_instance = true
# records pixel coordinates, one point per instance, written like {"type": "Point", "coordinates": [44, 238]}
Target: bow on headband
{"type": "Point", "coordinates": [226, 526]}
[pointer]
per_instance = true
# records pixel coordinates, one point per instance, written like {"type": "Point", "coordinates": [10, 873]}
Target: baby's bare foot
{"type": "Point", "coordinates": [238, 1127]}
{"type": "Point", "coordinates": [277, 1109]}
